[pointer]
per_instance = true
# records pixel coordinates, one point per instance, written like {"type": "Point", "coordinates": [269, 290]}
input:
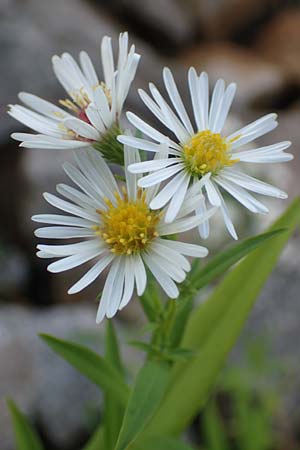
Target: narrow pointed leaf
{"type": "Point", "coordinates": [113, 409]}
{"type": "Point", "coordinates": [214, 328]}
{"type": "Point", "coordinates": [145, 398]}
{"type": "Point", "coordinates": [213, 429]}
{"type": "Point", "coordinates": [201, 276]}
{"type": "Point", "coordinates": [26, 437]}
{"type": "Point", "coordinates": [163, 443]}
{"type": "Point", "coordinates": [96, 442]}
{"type": "Point", "coordinates": [226, 259]}
{"type": "Point", "coordinates": [91, 365]}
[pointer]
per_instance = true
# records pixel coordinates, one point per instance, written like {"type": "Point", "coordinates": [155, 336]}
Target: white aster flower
{"type": "Point", "coordinates": [116, 228]}
{"type": "Point", "coordinates": [203, 152]}
{"type": "Point", "coordinates": [93, 108]}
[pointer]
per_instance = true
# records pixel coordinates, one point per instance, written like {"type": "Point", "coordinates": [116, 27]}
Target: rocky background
{"type": "Point", "coordinates": [253, 42]}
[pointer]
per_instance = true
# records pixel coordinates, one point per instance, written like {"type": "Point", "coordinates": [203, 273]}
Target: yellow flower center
{"type": "Point", "coordinates": [207, 152]}
{"type": "Point", "coordinates": [129, 226]}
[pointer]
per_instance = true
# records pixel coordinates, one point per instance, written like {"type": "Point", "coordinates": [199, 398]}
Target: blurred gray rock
{"type": "Point", "coordinates": [219, 19]}
{"type": "Point", "coordinates": [279, 42]}
{"type": "Point", "coordinates": [256, 79]}
{"type": "Point", "coordinates": [62, 403]}
{"type": "Point", "coordinates": [50, 391]}
{"type": "Point", "coordinates": [49, 28]}
{"type": "Point", "coordinates": [167, 24]}
{"type": "Point", "coordinates": [30, 33]}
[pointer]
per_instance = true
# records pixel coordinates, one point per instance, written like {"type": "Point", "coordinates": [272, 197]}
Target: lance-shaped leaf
{"type": "Point", "coordinates": [162, 443]}
{"type": "Point", "coordinates": [26, 437]}
{"type": "Point", "coordinates": [91, 365]}
{"type": "Point", "coordinates": [214, 328]}
{"type": "Point", "coordinates": [145, 398]}
{"type": "Point", "coordinates": [96, 442]}
{"type": "Point", "coordinates": [201, 276]}
{"type": "Point", "coordinates": [214, 429]}
{"type": "Point", "coordinates": [113, 409]}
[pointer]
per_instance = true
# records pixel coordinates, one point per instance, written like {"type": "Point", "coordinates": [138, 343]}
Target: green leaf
{"type": "Point", "coordinates": [213, 429]}
{"type": "Point", "coordinates": [113, 409]}
{"type": "Point", "coordinates": [214, 328]}
{"type": "Point", "coordinates": [201, 276]}
{"type": "Point", "coordinates": [163, 443]}
{"type": "Point", "coordinates": [26, 437]}
{"type": "Point", "coordinates": [96, 442]}
{"type": "Point", "coordinates": [145, 398]}
{"type": "Point", "coordinates": [226, 259]}
{"type": "Point", "coordinates": [91, 365]}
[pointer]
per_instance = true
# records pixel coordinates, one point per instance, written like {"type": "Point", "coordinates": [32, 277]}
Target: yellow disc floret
{"type": "Point", "coordinates": [127, 226]}
{"type": "Point", "coordinates": [207, 152]}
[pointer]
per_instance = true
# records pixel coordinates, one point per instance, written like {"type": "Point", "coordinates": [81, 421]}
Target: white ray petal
{"type": "Point", "coordinates": [78, 197]}
{"type": "Point", "coordinates": [177, 199]}
{"type": "Point", "coordinates": [72, 249]}
{"type": "Point", "coordinates": [194, 250]}
{"type": "Point", "coordinates": [57, 219]}
{"type": "Point", "coordinates": [129, 281]}
{"type": "Point", "coordinates": [254, 126]}
{"type": "Point", "coordinates": [173, 123]}
{"type": "Point", "coordinates": [143, 144]}
{"type": "Point", "coordinates": [57, 144]}
{"type": "Point", "coordinates": [164, 280]}
{"type": "Point", "coordinates": [226, 104]}
{"type": "Point", "coordinates": [203, 227]}
{"type": "Point", "coordinates": [43, 107]}
{"type": "Point", "coordinates": [171, 269]}
{"type": "Point", "coordinates": [153, 107]}
{"type": "Point", "coordinates": [171, 254]}
{"type": "Point", "coordinates": [131, 155]}
{"type": "Point", "coordinates": [160, 175]}
{"type": "Point", "coordinates": [268, 153]}
{"type": "Point", "coordinates": [252, 184]}
{"type": "Point", "coordinates": [182, 225]}
{"type": "Point", "coordinates": [242, 196]}
{"type": "Point", "coordinates": [216, 101]}
{"type": "Point", "coordinates": [88, 69]}
{"type": "Point", "coordinates": [35, 121]}
{"type": "Point", "coordinates": [82, 128]}
{"type": "Point", "coordinates": [226, 216]}
{"type": "Point", "coordinates": [108, 290]}
{"type": "Point", "coordinates": [151, 166]}
{"type": "Point", "coordinates": [117, 293]}
{"type": "Point", "coordinates": [61, 232]}
{"type": "Point", "coordinates": [101, 103]}
{"type": "Point", "coordinates": [203, 93]}
{"type": "Point", "coordinates": [92, 274]}
{"type": "Point", "coordinates": [212, 193]}
{"type": "Point", "coordinates": [176, 99]}
{"type": "Point", "coordinates": [139, 274]}
{"type": "Point", "coordinates": [73, 261]}
{"type": "Point", "coordinates": [162, 198]}
{"type": "Point", "coordinates": [251, 136]}
{"type": "Point", "coordinates": [95, 118]}
{"type": "Point", "coordinates": [70, 208]}
{"type": "Point", "coordinates": [193, 87]}
{"type": "Point", "coordinates": [150, 131]}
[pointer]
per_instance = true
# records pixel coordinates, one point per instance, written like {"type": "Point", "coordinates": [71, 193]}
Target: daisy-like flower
{"type": "Point", "coordinates": [116, 228]}
{"type": "Point", "coordinates": [203, 152]}
{"type": "Point", "coordinates": [93, 108]}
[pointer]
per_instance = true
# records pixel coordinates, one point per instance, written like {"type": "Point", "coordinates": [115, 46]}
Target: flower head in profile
{"type": "Point", "coordinates": [203, 153]}
{"type": "Point", "coordinates": [116, 229]}
{"type": "Point", "coordinates": [93, 107]}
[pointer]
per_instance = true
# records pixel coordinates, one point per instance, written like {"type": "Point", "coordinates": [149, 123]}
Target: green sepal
{"type": "Point", "coordinates": [109, 147]}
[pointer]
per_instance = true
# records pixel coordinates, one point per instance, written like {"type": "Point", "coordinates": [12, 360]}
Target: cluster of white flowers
{"type": "Point", "coordinates": [127, 226]}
